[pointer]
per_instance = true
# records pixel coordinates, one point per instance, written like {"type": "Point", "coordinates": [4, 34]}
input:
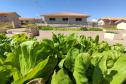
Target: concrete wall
{"type": "Point", "coordinates": [71, 20]}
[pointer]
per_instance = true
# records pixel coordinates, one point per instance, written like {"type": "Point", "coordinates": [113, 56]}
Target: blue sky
{"type": "Point", "coordinates": [95, 8]}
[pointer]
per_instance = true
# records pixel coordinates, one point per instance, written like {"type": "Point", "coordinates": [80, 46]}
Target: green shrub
{"type": "Point", "coordinates": [5, 25]}
{"type": "Point", "coordinates": [45, 28]}
{"type": "Point", "coordinates": [95, 29]}
{"type": "Point", "coordinates": [83, 29]}
{"type": "Point", "coordinates": [69, 29]}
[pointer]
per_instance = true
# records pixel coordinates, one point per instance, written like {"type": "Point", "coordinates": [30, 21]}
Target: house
{"type": "Point", "coordinates": [65, 18]}
{"type": "Point", "coordinates": [120, 21]}
{"type": "Point", "coordinates": [109, 22]}
{"type": "Point", "coordinates": [11, 17]}
{"type": "Point", "coordinates": [29, 20]}
{"type": "Point", "coordinates": [121, 25]}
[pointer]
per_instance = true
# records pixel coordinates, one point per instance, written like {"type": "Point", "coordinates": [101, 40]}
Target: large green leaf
{"type": "Point", "coordinates": [27, 56]}
{"type": "Point", "coordinates": [100, 70]}
{"type": "Point", "coordinates": [82, 63]}
{"type": "Point", "coordinates": [103, 62]}
{"type": "Point", "coordinates": [12, 59]}
{"type": "Point", "coordinates": [70, 59]}
{"type": "Point", "coordinates": [63, 43]}
{"type": "Point", "coordinates": [61, 77]}
{"type": "Point", "coordinates": [5, 74]}
{"type": "Point", "coordinates": [49, 68]}
{"type": "Point", "coordinates": [33, 72]}
{"type": "Point", "coordinates": [118, 72]}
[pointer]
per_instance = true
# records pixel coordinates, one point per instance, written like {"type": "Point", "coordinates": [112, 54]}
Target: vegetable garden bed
{"type": "Point", "coordinates": [68, 59]}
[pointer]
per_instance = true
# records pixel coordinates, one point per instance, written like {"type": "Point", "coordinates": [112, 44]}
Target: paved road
{"type": "Point", "coordinates": [48, 34]}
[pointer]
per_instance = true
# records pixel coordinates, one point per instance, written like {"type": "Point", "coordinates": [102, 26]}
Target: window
{"type": "Point", "coordinates": [78, 19]}
{"type": "Point", "coordinates": [22, 22]}
{"type": "Point", "coordinates": [27, 21]}
{"type": "Point", "coordinates": [52, 19]}
{"type": "Point", "coordinates": [65, 19]}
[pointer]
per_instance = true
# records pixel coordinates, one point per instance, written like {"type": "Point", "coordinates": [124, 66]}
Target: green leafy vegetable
{"type": "Point", "coordinates": [61, 77]}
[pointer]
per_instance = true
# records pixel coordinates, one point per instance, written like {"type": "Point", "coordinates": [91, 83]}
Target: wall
{"type": "Point", "coordinates": [14, 19]}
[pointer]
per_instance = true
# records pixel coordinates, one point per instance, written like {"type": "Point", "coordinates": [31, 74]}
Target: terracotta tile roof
{"type": "Point", "coordinates": [113, 19]}
{"type": "Point", "coordinates": [67, 14]}
{"type": "Point", "coordinates": [7, 13]}
{"type": "Point", "coordinates": [27, 19]}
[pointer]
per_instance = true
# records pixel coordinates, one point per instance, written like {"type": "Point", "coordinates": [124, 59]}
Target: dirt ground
{"type": "Point", "coordinates": [48, 34]}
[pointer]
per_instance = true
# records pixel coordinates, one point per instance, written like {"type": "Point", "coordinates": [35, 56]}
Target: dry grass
{"type": "Point", "coordinates": [29, 26]}
{"type": "Point", "coordinates": [5, 25]}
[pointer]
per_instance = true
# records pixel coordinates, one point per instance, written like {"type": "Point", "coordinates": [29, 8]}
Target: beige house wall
{"type": "Point", "coordinates": [71, 20]}
{"type": "Point", "coordinates": [12, 18]}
